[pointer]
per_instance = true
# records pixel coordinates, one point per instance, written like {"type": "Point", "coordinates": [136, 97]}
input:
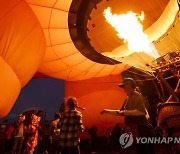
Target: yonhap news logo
{"type": "Point", "coordinates": [126, 140]}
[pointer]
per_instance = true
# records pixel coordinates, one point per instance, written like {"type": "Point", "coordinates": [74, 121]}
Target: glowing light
{"type": "Point", "coordinates": [130, 29]}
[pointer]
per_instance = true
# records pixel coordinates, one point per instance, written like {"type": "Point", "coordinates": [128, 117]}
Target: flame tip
{"type": "Point", "coordinates": [135, 37]}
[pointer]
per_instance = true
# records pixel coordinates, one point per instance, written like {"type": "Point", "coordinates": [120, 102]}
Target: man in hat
{"type": "Point", "coordinates": [134, 111]}
{"type": "Point", "coordinates": [133, 108]}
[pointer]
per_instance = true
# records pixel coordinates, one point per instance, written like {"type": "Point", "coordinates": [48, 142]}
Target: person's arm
{"type": "Point", "coordinates": [132, 113]}
{"type": "Point", "coordinates": [113, 112]}
{"type": "Point", "coordinates": [81, 127]}
{"type": "Point", "coordinates": [123, 112]}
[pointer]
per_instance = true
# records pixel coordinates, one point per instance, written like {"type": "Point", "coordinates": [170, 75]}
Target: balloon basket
{"type": "Point", "coordinates": [168, 119]}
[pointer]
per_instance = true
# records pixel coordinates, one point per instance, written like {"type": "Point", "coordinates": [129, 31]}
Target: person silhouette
{"type": "Point", "coordinates": [70, 125]}
{"type": "Point", "coordinates": [135, 114]}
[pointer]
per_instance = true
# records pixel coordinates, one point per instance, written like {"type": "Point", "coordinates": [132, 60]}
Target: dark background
{"type": "Point", "coordinates": [44, 93]}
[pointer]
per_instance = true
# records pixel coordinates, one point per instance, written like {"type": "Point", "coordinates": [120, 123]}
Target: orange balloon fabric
{"type": "Point", "coordinates": [22, 49]}
{"type": "Point", "coordinates": [22, 43]}
{"type": "Point", "coordinates": [95, 95]}
{"type": "Point", "coordinates": [9, 89]}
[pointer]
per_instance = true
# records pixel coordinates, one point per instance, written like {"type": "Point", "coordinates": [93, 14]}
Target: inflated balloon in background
{"type": "Point", "coordinates": [22, 49]}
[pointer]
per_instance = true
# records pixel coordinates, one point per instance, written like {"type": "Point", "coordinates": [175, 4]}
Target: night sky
{"type": "Point", "coordinates": [45, 93]}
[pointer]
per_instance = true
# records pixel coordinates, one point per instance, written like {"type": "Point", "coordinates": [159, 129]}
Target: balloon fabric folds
{"type": "Point", "coordinates": [22, 49]}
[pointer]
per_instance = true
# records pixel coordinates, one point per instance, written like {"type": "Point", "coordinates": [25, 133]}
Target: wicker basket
{"type": "Point", "coordinates": [168, 119]}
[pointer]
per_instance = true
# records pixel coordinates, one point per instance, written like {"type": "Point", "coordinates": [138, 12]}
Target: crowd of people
{"type": "Point", "coordinates": [48, 139]}
{"type": "Point", "coordinates": [61, 135]}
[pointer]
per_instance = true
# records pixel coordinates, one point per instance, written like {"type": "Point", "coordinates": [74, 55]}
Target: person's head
{"type": "Point", "coordinates": [128, 85]}
{"type": "Point", "coordinates": [21, 117]}
{"type": "Point", "coordinates": [62, 107]}
{"type": "Point", "coordinates": [57, 115]}
{"type": "Point", "coordinates": [71, 102]}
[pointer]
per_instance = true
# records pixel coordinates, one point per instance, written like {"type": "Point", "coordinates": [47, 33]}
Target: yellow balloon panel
{"type": "Point", "coordinates": [59, 4]}
{"type": "Point", "coordinates": [161, 26]}
{"type": "Point", "coordinates": [168, 42]}
{"type": "Point", "coordinates": [9, 89]}
{"type": "Point", "coordinates": [64, 74]}
{"type": "Point", "coordinates": [107, 69]}
{"type": "Point", "coordinates": [87, 65]}
{"type": "Point", "coordinates": [42, 13]}
{"type": "Point", "coordinates": [122, 67]}
{"type": "Point", "coordinates": [63, 4]}
{"type": "Point", "coordinates": [65, 50]}
{"type": "Point", "coordinates": [74, 59]}
{"type": "Point", "coordinates": [62, 59]}
{"type": "Point", "coordinates": [57, 52]}
{"type": "Point", "coordinates": [52, 67]}
{"type": "Point", "coordinates": [59, 19]}
{"type": "Point", "coordinates": [121, 51]}
{"type": "Point", "coordinates": [74, 73]}
{"type": "Point", "coordinates": [85, 70]}
{"type": "Point", "coordinates": [44, 3]}
{"type": "Point", "coordinates": [59, 36]}
{"type": "Point", "coordinates": [96, 69]}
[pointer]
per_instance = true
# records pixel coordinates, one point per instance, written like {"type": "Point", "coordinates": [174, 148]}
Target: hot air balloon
{"type": "Point", "coordinates": [81, 47]}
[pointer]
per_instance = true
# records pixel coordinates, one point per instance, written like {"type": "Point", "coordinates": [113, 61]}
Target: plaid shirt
{"type": "Point", "coordinates": [70, 124]}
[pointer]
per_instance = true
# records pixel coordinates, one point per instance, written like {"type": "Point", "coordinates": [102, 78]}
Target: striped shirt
{"type": "Point", "coordinates": [70, 124]}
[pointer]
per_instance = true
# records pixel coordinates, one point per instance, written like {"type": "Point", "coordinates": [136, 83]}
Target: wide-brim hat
{"type": "Point", "coordinates": [128, 81]}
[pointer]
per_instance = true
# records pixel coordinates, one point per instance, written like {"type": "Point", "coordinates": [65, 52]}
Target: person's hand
{"type": "Point", "coordinates": [104, 111]}
{"type": "Point", "coordinates": [121, 113]}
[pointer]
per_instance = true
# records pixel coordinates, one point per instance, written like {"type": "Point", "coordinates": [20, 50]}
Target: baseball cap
{"type": "Point", "coordinates": [128, 81]}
